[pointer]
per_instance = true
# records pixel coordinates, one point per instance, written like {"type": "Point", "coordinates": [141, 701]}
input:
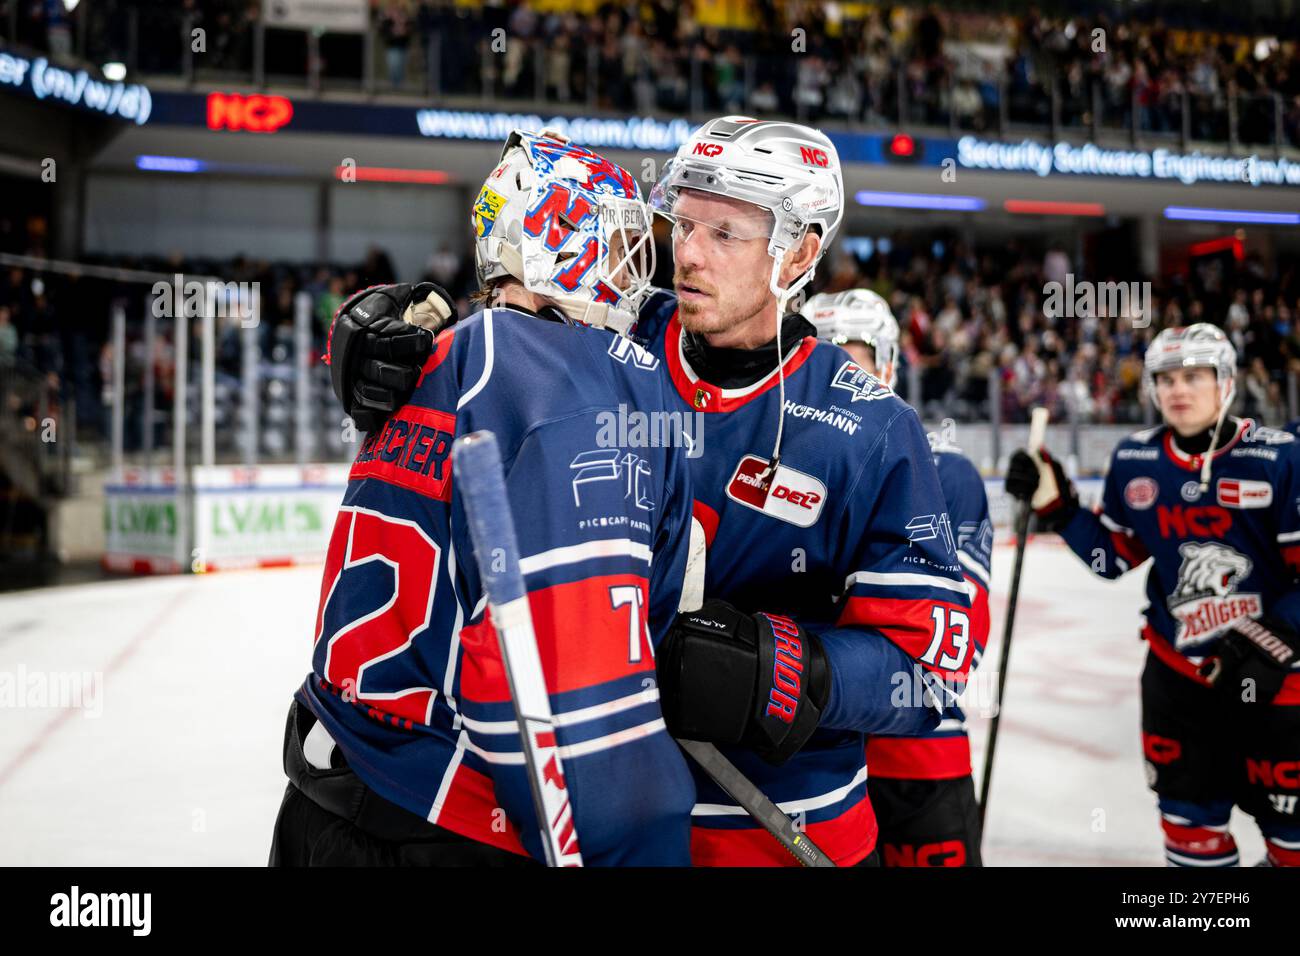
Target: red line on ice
{"type": "Point", "coordinates": [1029, 730]}
{"type": "Point", "coordinates": [45, 733]}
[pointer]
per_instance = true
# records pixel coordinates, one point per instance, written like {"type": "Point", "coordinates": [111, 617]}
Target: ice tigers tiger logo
{"type": "Point", "coordinates": [1206, 601]}
{"type": "Point", "coordinates": [1209, 569]}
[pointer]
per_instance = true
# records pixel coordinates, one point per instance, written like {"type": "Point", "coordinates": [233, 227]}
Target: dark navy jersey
{"type": "Point", "coordinates": [1217, 555]}
{"type": "Point", "coordinates": [944, 752]}
{"type": "Point", "coordinates": [851, 537]}
{"type": "Point", "coordinates": [406, 674]}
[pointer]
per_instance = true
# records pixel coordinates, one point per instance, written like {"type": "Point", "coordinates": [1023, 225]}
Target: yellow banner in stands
{"type": "Point", "coordinates": [542, 6]}
{"type": "Point", "coordinates": [723, 14]}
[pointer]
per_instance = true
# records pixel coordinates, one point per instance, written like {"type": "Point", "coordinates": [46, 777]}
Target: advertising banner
{"type": "Point", "coordinates": [264, 516]}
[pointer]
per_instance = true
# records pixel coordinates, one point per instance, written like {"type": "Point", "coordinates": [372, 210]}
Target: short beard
{"type": "Point", "coordinates": [693, 318]}
{"type": "Point", "coordinates": [709, 319]}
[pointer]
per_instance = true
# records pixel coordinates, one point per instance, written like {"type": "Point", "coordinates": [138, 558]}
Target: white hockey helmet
{"type": "Point", "coordinates": [792, 171]}
{"type": "Point", "coordinates": [858, 315]}
{"type": "Point", "coordinates": [1202, 345]}
{"type": "Point", "coordinates": [570, 225]}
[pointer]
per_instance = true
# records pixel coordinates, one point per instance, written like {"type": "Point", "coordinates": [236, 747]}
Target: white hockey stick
{"type": "Point", "coordinates": [476, 463]}
{"type": "Point", "coordinates": [1037, 434]}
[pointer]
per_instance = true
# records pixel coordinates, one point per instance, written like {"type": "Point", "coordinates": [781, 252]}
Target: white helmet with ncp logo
{"type": "Point", "coordinates": [793, 171]}
{"type": "Point", "coordinates": [858, 315]}
{"type": "Point", "coordinates": [568, 224]}
{"type": "Point", "coordinates": [1202, 345]}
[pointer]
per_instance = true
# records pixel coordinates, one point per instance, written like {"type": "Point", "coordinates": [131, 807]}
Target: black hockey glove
{"type": "Point", "coordinates": [379, 340]}
{"type": "Point", "coordinates": [1042, 482]}
{"type": "Point", "coordinates": [754, 680]}
{"type": "Point", "coordinates": [1254, 659]}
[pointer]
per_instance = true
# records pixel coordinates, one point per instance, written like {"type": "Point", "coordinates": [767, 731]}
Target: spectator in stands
{"type": "Point", "coordinates": [8, 338]}
{"type": "Point", "coordinates": [396, 24]}
{"type": "Point", "coordinates": [328, 303]}
{"type": "Point", "coordinates": [58, 29]}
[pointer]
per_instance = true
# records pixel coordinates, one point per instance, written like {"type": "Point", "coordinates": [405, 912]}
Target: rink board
{"type": "Point", "coordinates": [222, 518]}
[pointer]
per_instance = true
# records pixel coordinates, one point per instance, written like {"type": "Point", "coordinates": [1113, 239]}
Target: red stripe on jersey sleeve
{"type": "Point", "coordinates": [919, 758]}
{"type": "Point", "coordinates": [441, 349]}
{"type": "Point", "coordinates": [583, 638]}
{"type": "Point", "coordinates": [848, 839]}
{"type": "Point", "coordinates": [979, 613]}
{"type": "Point", "coordinates": [470, 809]}
{"type": "Point", "coordinates": [1291, 555]}
{"type": "Point", "coordinates": [1128, 548]}
{"type": "Point", "coordinates": [910, 625]}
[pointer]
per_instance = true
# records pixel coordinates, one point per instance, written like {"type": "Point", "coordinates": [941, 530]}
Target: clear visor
{"type": "Point", "coordinates": [1172, 363]}
{"type": "Point", "coordinates": [682, 178]}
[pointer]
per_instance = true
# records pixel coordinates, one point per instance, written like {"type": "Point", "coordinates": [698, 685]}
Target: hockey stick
{"type": "Point", "coordinates": [476, 463]}
{"type": "Point", "coordinates": [754, 802]}
{"type": "Point", "coordinates": [1037, 432]}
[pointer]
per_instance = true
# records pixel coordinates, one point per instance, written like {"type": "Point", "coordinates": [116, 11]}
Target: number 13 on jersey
{"type": "Point", "coordinates": [951, 638]}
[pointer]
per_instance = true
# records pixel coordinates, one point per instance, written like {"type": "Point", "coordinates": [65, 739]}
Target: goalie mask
{"type": "Point", "coordinates": [569, 225]}
{"type": "Point", "coordinates": [858, 315]}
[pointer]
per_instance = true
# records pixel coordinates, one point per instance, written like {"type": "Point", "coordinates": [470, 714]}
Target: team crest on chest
{"type": "Point", "coordinates": [864, 386]}
{"type": "Point", "coordinates": [1206, 600]}
{"type": "Point", "coordinates": [1141, 493]}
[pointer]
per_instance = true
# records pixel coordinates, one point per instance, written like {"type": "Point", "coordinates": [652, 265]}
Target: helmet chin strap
{"type": "Point", "coordinates": [783, 297]}
{"type": "Point", "coordinates": [599, 315]}
{"type": "Point", "coordinates": [1214, 439]}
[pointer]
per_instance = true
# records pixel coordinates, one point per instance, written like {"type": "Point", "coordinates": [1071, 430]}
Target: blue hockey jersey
{"type": "Point", "coordinates": [851, 537]}
{"type": "Point", "coordinates": [1231, 551]}
{"type": "Point", "coordinates": [944, 752]}
{"type": "Point", "coordinates": [406, 674]}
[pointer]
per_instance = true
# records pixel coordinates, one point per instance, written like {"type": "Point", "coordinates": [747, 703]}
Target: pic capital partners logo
{"type": "Point", "coordinates": [52, 690]}
{"type": "Point", "coordinates": [660, 429]}
{"type": "Point", "coordinates": [1091, 300]}
{"type": "Point", "coordinates": [75, 909]}
{"type": "Point", "coordinates": [195, 298]}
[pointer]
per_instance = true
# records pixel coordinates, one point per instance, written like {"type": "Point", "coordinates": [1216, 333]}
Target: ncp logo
{"type": "Point", "coordinates": [811, 156]}
{"type": "Point", "coordinates": [945, 853]}
{"type": "Point", "coordinates": [707, 149]}
{"type": "Point", "coordinates": [256, 113]}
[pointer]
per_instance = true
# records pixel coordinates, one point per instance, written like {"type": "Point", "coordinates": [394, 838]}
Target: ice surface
{"type": "Point", "coordinates": [182, 766]}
